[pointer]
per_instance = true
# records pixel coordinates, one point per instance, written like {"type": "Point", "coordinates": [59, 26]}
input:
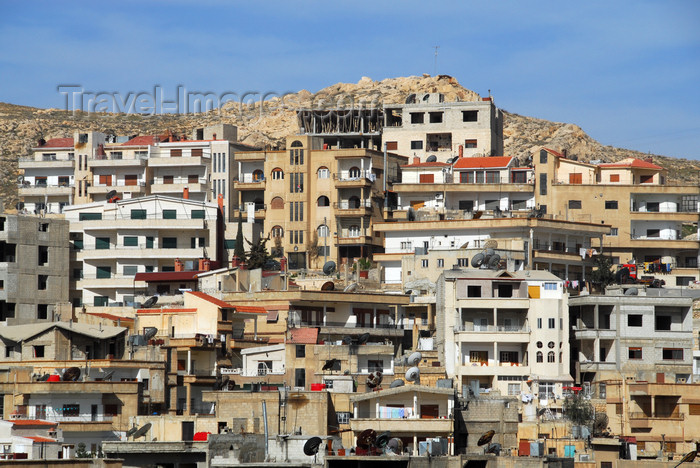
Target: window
{"type": "Point", "coordinates": [296, 182]}
{"type": "Point", "coordinates": [610, 204]}
{"type": "Point", "coordinates": [543, 183]}
{"type": "Point", "coordinates": [473, 291]}
{"type": "Point", "coordinates": [192, 179]}
{"type": "Point", "coordinates": [131, 241]}
{"type": "Point", "coordinates": [296, 157]}
{"type": "Point", "coordinates": [42, 311]}
{"type": "Point", "coordinates": [576, 179]}
{"type": "Point", "coordinates": [103, 272]}
{"type": "Point", "coordinates": [323, 172]}
{"type": "Point", "coordinates": [426, 178]}
{"type": "Point", "coordinates": [197, 214]}
{"type": "Point", "coordinates": [392, 145]}
{"type": "Point", "coordinates": [513, 389]}
{"type": "Point", "coordinates": [614, 177]}
{"type": "Point", "coordinates": [552, 323]}
{"type": "Point", "coordinates": [277, 174]}
{"type": "Point", "coordinates": [169, 214]}
{"type": "Point", "coordinates": [168, 179]}
{"type": "Point", "coordinates": [90, 216]}
{"type": "Point", "coordinates": [149, 242]}
{"type": "Point", "coordinates": [466, 205]}
{"type": "Point", "coordinates": [478, 356]}
{"type": "Point", "coordinates": [38, 351]}
{"type": "Point", "coordinates": [42, 281]}
{"type": "Point", "coordinates": [540, 356]}
{"type": "Point", "coordinates": [663, 322]}
{"type": "Point", "coordinates": [551, 357]}
{"type": "Point", "coordinates": [406, 245]}
{"type": "Point", "coordinates": [463, 262]}
{"type": "Point", "coordinates": [441, 262]}
{"type": "Point", "coordinates": [344, 417]}
{"type": "Point", "coordinates": [277, 231]}
{"type": "Point", "coordinates": [296, 211]}
{"type": "Point", "coordinates": [354, 172]}
{"type": "Point", "coordinates": [546, 389]}
{"type": "Point", "coordinates": [635, 353]}
{"type": "Point", "coordinates": [193, 242]}
{"type": "Point", "coordinates": [613, 232]}
{"type": "Point", "coordinates": [417, 145]}
{"type": "Point", "coordinates": [71, 410]}
{"type": "Point", "coordinates": [102, 243]}
{"type": "Point", "coordinates": [175, 153]}
{"type": "Point", "coordinates": [543, 157]}
{"type": "Point", "coordinates": [277, 203]}
{"type": "Point", "coordinates": [323, 201]}
{"type": "Point", "coordinates": [375, 365]}
{"type": "Point", "coordinates": [550, 345]}
{"type": "Point", "coordinates": [354, 231]}
{"type": "Point", "coordinates": [417, 117]}
{"type": "Point", "coordinates": [574, 204]}
{"type": "Point", "coordinates": [539, 344]}
{"type": "Point", "coordinates": [539, 322]}
{"type": "Point", "coordinates": [323, 231]}
{"type": "Point", "coordinates": [435, 117]}
{"type": "Point", "coordinates": [470, 116]}
{"type": "Point", "coordinates": [689, 203]}
{"type": "Point", "coordinates": [646, 179]}
{"type": "Point", "coordinates": [674, 354]}
{"type": "Point", "coordinates": [508, 356]}
{"type": "Point", "coordinates": [130, 270]}
{"type": "Point", "coordinates": [550, 286]}
{"type": "Point", "coordinates": [470, 143]}
{"type": "Point", "coordinates": [170, 242]}
{"type": "Point", "coordinates": [300, 351]}
{"type": "Point", "coordinates": [634, 320]}
{"type": "Point", "coordinates": [43, 255]}
{"type": "Point", "coordinates": [424, 263]}
{"type": "Point", "coordinates": [113, 409]}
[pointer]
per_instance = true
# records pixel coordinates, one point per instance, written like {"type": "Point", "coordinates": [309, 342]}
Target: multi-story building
{"type": "Point", "coordinates": [33, 269]}
{"type": "Point", "coordinates": [112, 242]}
{"type": "Point", "coordinates": [643, 337]}
{"type": "Point", "coordinates": [427, 126]}
{"type": "Point", "coordinates": [314, 204]}
{"type": "Point", "coordinates": [651, 221]}
{"type": "Point", "coordinates": [506, 331]}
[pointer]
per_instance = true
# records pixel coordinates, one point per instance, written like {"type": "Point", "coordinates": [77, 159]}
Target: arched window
{"type": "Point", "coordinates": [354, 231]}
{"type": "Point", "coordinates": [277, 174]}
{"type": "Point", "coordinates": [354, 172]}
{"type": "Point", "coordinates": [277, 231]}
{"type": "Point", "coordinates": [323, 172]}
{"type": "Point", "coordinates": [539, 344]}
{"type": "Point", "coordinates": [561, 355]}
{"type": "Point", "coordinates": [540, 356]}
{"type": "Point", "coordinates": [323, 231]}
{"type": "Point", "coordinates": [296, 144]}
{"type": "Point", "coordinates": [323, 201]}
{"type": "Point", "coordinates": [258, 175]}
{"type": "Point", "coordinates": [550, 357]}
{"type": "Point", "coordinates": [551, 344]}
{"type": "Point", "coordinates": [277, 203]}
{"type": "Point", "coordinates": [354, 202]}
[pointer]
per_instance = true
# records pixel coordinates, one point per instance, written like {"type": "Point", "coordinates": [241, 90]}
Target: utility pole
{"type": "Point", "coordinates": [436, 54]}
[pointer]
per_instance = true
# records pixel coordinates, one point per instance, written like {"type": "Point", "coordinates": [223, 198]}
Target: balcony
{"type": "Point", "coordinates": [259, 211]}
{"type": "Point", "coordinates": [353, 208]}
{"type": "Point", "coordinates": [441, 426]}
{"type": "Point", "coordinates": [493, 367]}
{"type": "Point", "coordinates": [112, 282]}
{"type": "Point", "coordinates": [478, 334]}
{"type": "Point", "coordinates": [178, 185]}
{"type": "Point", "coordinates": [167, 161]}
{"type": "Point", "coordinates": [140, 252]}
{"type": "Point", "coordinates": [584, 333]}
{"type": "Point", "coordinates": [112, 160]}
{"type": "Point", "coordinates": [352, 328]}
{"type": "Point", "coordinates": [354, 237]}
{"type": "Point", "coordinates": [358, 178]}
{"type": "Point", "coordinates": [42, 163]}
{"type": "Point", "coordinates": [43, 190]}
{"type": "Point", "coordinates": [121, 186]}
{"type": "Point", "coordinates": [597, 366]}
{"type": "Point", "coordinates": [249, 182]}
{"type": "Point", "coordinates": [640, 419]}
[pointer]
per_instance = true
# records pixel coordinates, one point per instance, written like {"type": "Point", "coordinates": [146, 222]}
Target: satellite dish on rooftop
{"type": "Point", "coordinates": [631, 292]}
{"type": "Point", "coordinates": [330, 364]}
{"type": "Point", "coordinates": [362, 339]}
{"type": "Point", "coordinates": [478, 260]}
{"type": "Point", "coordinates": [142, 431]}
{"type": "Point", "coordinates": [494, 261]}
{"type": "Point", "coordinates": [347, 340]}
{"type": "Point", "coordinates": [131, 431]}
{"type": "Point", "coordinates": [311, 446]}
{"type": "Point", "coordinates": [486, 438]}
{"type": "Point", "coordinates": [108, 376]}
{"type": "Point", "coordinates": [328, 286]}
{"type": "Point", "coordinates": [352, 287]}
{"type": "Point", "coordinates": [329, 267]}
{"type": "Point", "coordinates": [394, 446]}
{"type": "Point", "coordinates": [366, 438]}
{"type": "Point", "coordinates": [20, 205]}
{"type": "Point", "coordinates": [494, 448]}
{"type": "Point", "coordinates": [412, 374]}
{"type": "Point", "coordinates": [149, 332]}
{"type": "Point", "coordinates": [397, 383]}
{"type": "Point", "coordinates": [414, 359]}
{"type": "Point", "coordinates": [150, 302]}
{"type": "Point", "coordinates": [72, 374]}
{"type": "Point", "coordinates": [411, 215]}
{"type": "Point", "coordinates": [383, 439]}
{"type": "Point", "coordinates": [431, 158]}
{"type": "Point", "coordinates": [111, 194]}
{"type": "Point", "coordinates": [374, 379]}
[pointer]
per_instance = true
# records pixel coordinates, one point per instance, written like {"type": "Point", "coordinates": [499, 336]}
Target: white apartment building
{"type": "Point", "coordinates": [507, 331]}
{"type": "Point", "coordinates": [111, 242]}
{"type": "Point", "coordinates": [426, 125]}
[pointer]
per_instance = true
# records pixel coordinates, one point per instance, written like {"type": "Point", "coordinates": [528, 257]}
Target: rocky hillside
{"type": "Point", "coordinates": [269, 123]}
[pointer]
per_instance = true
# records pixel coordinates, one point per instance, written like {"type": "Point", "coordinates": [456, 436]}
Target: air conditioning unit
{"type": "Point", "coordinates": [584, 457]}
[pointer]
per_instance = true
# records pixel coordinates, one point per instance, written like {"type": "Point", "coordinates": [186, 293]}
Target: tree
{"type": "Point", "coordinates": [239, 250]}
{"type": "Point", "coordinates": [81, 452]}
{"type": "Point", "coordinates": [578, 410]}
{"type": "Point", "coordinates": [258, 255]}
{"type": "Point", "coordinates": [603, 274]}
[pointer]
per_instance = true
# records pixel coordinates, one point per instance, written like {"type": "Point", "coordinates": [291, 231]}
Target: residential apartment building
{"type": "Point", "coordinates": [113, 241]}
{"type": "Point", "coordinates": [33, 269]}
{"type": "Point", "coordinates": [425, 126]}
{"type": "Point", "coordinates": [651, 221]}
{"type": "Point", "coordinates": [645, 337]}
{"type": "Point", "coordinates": [505, 331]}
{"type": "Point", "coordinates": [313, 204]}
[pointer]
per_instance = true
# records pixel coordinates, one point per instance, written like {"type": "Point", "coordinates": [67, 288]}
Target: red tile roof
{"type": "Point", "coordinates": [105, 315]}
{"type": "Point", "coordinates": [211, 299]}
{"type": "Point", "coordinates": [58, 143]}
{"type": "Point", "coordinates": [167, 276]}
{"type": "Point", "coordinates": [427, 164]}
{"type": "Point", "coordinates": [164, 311]}
{"type": "Point", "coordinates": [555, 153]}
{"type": "Point", "coordinates": [41, 439]}
{"type": "Point", "coordinates": [143, 140]}
{"type": "Point", "coordinates": [634, 163]}
{"type": "Point", "coordinates": [33, 422]}
{"type": "Point", "coordinates": [483, 162]}
{"type": "Point", "coordinates": [303, 336]}
{"type": "Point", "coordinates": [250, 309]}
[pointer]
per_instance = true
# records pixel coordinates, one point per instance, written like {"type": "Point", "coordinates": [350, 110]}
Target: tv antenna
{"type": "Point", "coordinates": [436, 54]}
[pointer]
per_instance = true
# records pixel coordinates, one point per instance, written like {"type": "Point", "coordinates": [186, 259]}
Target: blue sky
{"type": "Point", "coordinates": [627, 72]}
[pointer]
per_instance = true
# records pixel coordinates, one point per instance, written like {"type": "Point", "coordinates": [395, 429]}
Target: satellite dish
{"type": "Point", "coordinates": [486, 438]}
{"type": "Point", "coordinates": [111, 194]}
{"type": "Point", "coordinates": [131, 431]}
{"type": "Point", "coordinates": [311, 446]}
{"type": "Point", "coordinates": [142, 431]}
{"type": "Point", "coordinates": [431, 158]}
{"type": "Point", "coordinates": [600, 423]}
{"type": "Point", "coordinates": [397, 383]}
{"type": "Point", "coordinates": [366, 438]}
{"type": "Point", "coordinates": [541, 411]}
{"type": "Point", "coordinates": [478, 260]}
{"type": "Point", "coordinates": [451, 160]}
{"type": "Point", "coordinates": [329, 267]}
{"type": "Point", "coordinates": [688, 457]}
{"type": "Point", "coordinates": [489, 252]}
{"type": "Point", "coordinates": [149, 332]}
{"type": "Point", "coordinates": [20, 205]}
{"type": "Point", "coordinates": [395, 446]}
{"type": "Point", "coordinates": [383, 439]}
{"type": "Point", "coordinates": [43, 378]}
{"type": "Point", "coordinates": [350, 287]}
{"type": "Point", "coordinates": [494, 448]}
{"type": "Point", "coordinates": [72, 374]}
{"type": "Point", "coordinates": [631, 292]}
{"type": "Point", "coordinates": [414, 359]}
{"type": "Point", "coordinates": [412, 374]}
{"type": "Point", "coordinates": [494, 261]}
{"type": "Point", "coordinates": [330, 364]}
{"type": "Point", "coordinates": [362, 339]}
{"type": "Point", "coordinates": [328, 286]}
{"type": "Point", "coordinates": [347, 340]}
{"type": "Point", "coordinates": [336, 443]}
{"type": "Point", "coordinates": [150, 302]}
{"type": "Point", "coordinates": [108, 376]}
{"type": "Point", "coordinates": [374, 379]}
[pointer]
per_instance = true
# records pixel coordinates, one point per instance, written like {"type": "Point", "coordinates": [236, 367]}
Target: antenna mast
{"type": "Point", "coordinates": [436, 54]}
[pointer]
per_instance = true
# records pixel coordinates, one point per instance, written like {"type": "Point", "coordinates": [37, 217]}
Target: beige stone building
{"type": "Point", "coordinates": [313, 204]}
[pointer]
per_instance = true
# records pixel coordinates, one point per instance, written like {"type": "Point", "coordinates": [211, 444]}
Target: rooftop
{"type": "Point", "coordinates": [58, 143]}
{"type": "Point", "coordinates": [483, 162]}
{"type": "Point", "coordinates": [303, 335]}
{"type": "Point", "coordinates": [17, 333]}
{"type": "Point", "coordinates": [633, 163]}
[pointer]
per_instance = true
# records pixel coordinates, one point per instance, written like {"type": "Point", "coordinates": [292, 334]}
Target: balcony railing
{"type": "Point", "coordinates": [180, 180]}
{"type": "Point", "coordinates": [643, 415]}
{"type": "Point", "coordinates": [346, 176]}
{"type": "Point", "coordinates": [304, 323]}
{"type": "Point", "coordinates": [122, 183]}
{"type": "Point", "coordinates": [250, 179]}
{"type": "Point", "coordinates": [352, 204]}
{"type": "Point", "coordinates": [258, 206]}
{"type": "Point", "coordinates": [352, 233]}
{"type": "Point", "coordinates": [116, 216]}
{"type": "Point", "coordinates": [118, 157]}
{"type": "Point", "coordinates": [470, 327]}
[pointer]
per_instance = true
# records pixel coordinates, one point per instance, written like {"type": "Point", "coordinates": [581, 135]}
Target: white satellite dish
{"type": "Point", "coordinates": [414, 359]}
{"type": "Point", "coordinates": [412, 374]}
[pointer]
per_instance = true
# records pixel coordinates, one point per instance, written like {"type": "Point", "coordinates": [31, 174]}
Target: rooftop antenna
{"type": "Point", "coordinates": [436, 54]}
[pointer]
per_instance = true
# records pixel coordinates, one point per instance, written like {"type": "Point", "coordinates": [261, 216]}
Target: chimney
{"type": "Point", "coordinates": [179, 265]}
{"type": "Point", "coordinates": [416, 160]}
{"type": "Point", "coordinates": [186, 193]}
{"type": "Point", "coordinates": [204, 264]}
{"type": "Point", "coordinates": [461, 151]}
{"type": "Point", "coordinates": [564, 152]}
{"type": "Point", "coordinates": [649, 159]}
